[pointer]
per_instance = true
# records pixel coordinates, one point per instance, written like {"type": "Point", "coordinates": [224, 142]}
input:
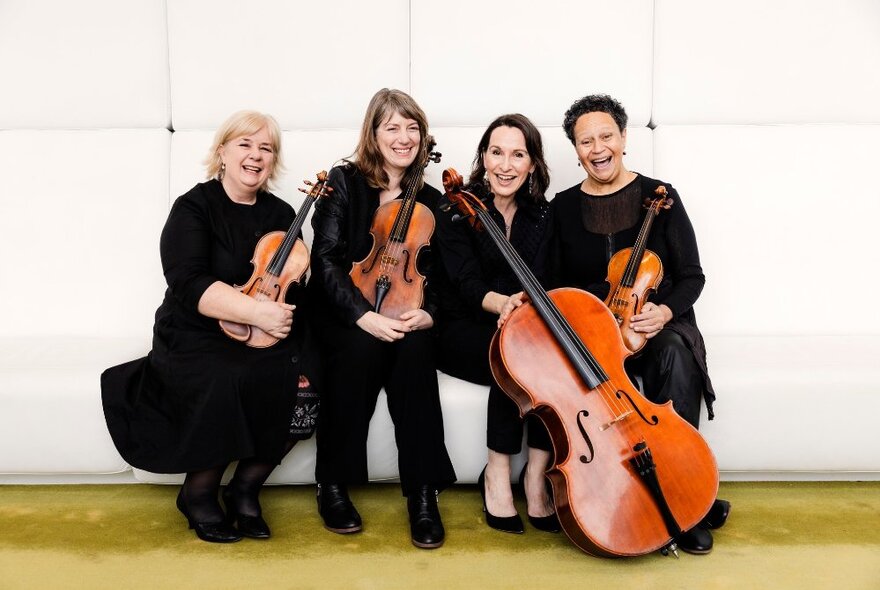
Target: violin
{"type": "Point", "coordinates": [634, 273]}
{"type": "Point", "coordinates": [388, 276]}
{"type": "Point", "coordinates": [280, 258]}
{"type": "Point", "coordinates": [628, 475]}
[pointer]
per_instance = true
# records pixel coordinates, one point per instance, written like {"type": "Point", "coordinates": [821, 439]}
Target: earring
{"type": "Point", "coordinates": [579, 163]}
{"type": "Point", "coordinates": [624, 152]}
{"type": "Point", "coordinates": [531, 183]}
{"type": "Point", "coordinates": [222, 171]}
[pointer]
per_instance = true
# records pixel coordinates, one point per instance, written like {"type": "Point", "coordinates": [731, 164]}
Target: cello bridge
{"type": "Point", "coordinates": [608, 425]}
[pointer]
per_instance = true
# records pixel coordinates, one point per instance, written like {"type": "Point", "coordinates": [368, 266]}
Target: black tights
{"type": "Point", "coordinates": [200, 489]}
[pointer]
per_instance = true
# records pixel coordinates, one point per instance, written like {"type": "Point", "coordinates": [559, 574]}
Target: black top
{"type": "Point", "coordinates": [342, 222]}
{"type": "Point", "coordinates": [474, 266]}
{"type": "Point", "coordinates": [201, 399]}
{"type": "Point", "coordinates": [580, 257]}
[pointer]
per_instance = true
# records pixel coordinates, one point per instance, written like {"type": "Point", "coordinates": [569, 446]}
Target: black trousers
{"type": "Point", "coordinates": [356, 367]}
{"type": "Point", "coordinates": [464, 353]}
{"type": "Point", "coordinates": [670, 372]}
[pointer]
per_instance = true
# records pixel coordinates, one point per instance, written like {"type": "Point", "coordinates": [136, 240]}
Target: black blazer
{"type": "Point", "coordinates": [342, 222]}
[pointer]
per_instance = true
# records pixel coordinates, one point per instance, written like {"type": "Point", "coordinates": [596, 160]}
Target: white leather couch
{"type": "Point", "coordinates": [765, 116]}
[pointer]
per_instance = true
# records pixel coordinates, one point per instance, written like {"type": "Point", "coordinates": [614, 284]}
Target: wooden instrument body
{"type": "Point", "coordinates": [395, 261]}
{"type": "Point", "coordinates": [263, 285]}
{"type": "Point", "coordinates": [603, 504]}
{"type": "Point", "coordinates": [627, 301]}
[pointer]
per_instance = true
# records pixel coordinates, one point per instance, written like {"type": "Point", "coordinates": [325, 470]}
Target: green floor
{"type": "Point", "coordinates": [780, 535]}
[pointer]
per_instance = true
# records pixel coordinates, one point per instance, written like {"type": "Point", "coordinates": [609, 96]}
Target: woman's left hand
{"type": "Point", "coordinates": [651, 320]}
{"type": "Point", "coordinates": [417, 319]}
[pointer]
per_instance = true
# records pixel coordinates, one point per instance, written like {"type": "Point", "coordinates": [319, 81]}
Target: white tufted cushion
{"type": "Point", "coordinates": [84, 64]}
{"type": "Point", "coordinates": [312, 65]}
{"type": "Point", "coordinates": [472, 61]}
{"type": "Point", "coordinates": [754, 62]}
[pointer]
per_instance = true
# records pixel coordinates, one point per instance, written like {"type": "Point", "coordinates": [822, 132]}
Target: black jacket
{"type": "Point", "coordinates": [342, 222]}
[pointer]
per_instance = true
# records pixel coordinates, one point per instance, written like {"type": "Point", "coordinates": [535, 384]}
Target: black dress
{"type": "Point", "coordinates": [199, 399]}
{"type": "Point", "coordinates": [356, 364]}
{"type": "Point", "coordinates": [580, 254]}
{"type": "Point", "coordinates": [473, 266]}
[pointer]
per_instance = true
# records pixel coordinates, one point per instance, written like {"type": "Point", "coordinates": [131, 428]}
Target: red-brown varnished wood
{"type": "Point", "coordinates": [264, 286]}
{"type": "Point", "coordinates": [603, 505]}
{"type": "Point", "coordinates": [395, 259]}
{"type": "Point", "coordinates": [625, 302]}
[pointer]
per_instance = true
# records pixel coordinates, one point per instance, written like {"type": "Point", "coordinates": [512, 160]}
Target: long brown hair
{"type": "Point", "coordinates": [367, 156]}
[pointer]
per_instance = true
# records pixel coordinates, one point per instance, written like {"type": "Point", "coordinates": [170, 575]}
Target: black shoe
{"type": "Point", "coordinates": [505, 524]}
{"type": "Point", "coordinates": [425, 526]}
{"type": "Point", "coordinates": [212, 532]}
{"type": "Point", "coordinates": [717, 515]}
{"type": "Point", "coordinates": [697, 541]}
{"type": "Point", "coordinates": [335, 507]}
{"type": "Point", "coordinates": [249, 526]}
{"type": "Point", "coordinates": [549, 523]}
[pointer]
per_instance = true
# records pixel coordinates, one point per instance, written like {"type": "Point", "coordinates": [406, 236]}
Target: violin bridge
{"type": "Point", "coordinates": [620, 418]}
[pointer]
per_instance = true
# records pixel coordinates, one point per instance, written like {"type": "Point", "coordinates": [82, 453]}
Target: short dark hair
{"type": "Point", "coordinates": [594, 103]}
{"type": "Point", "coordinates": [534, 145]}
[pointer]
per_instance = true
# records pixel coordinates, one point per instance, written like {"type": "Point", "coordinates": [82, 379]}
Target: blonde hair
{"type": "Point", "coordinates": [367, 156]}
{"type": "Point", "coordinates": [238, 125]}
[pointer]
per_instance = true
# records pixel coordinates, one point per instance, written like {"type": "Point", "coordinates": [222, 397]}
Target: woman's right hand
{"type": "Point", "coordinates": [512, 303]}
{"type": "Point", "coordinates": [274, 317]}
{"type": "Point", "coordinates": [385, 329]}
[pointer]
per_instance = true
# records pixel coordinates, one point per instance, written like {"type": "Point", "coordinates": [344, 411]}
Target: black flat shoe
{"type": "Point", "coordinates": [336, 509]}
{"type": "Point", "coordinates": [697, 541]}
{"type": "Point", "coordinates": [212, 532]}
{"type": "Point", "coordinates": [249, 526]}
{"type": "Point", "coordinates": [549, 523]}
{"type": "Point", "coordinates": [505, 524]}
{"type": "Point", "coordinates": [716, 516]}
{"type": "Point", "coordinates": [425, 526]}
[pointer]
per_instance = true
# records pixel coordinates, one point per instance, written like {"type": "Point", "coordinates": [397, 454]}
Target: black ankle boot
{"type": "Point", "coordinates": [212, 532]}
{"type": "Point", "coordinates": [717, 515]}
{"type": "Point", "coordinates": [336, 509]}
{"type": "Point", "coordinates": [425, 525]}
{"type": "Point", "coordinates": [697, 541]}
{"type": "Point", "coordinates": [249, 526]}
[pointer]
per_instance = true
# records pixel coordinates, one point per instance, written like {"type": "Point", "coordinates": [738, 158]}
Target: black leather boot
{"type": "Point", "coordinates": [717, 515]}
{"type": "Point", "coordinates": [425, 525]}
{"type": "Point", "coordinates": [336, 509]}
{"type": "Point", "coordinates": [697, 541]}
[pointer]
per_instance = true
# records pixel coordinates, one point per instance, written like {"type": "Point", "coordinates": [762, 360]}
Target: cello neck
{"type": "Point", "coordinates": [580, 357]}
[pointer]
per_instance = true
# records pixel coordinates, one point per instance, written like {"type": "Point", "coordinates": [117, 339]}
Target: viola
{"type": "Point", "coordinates": [634, 273]}
{"type": "Point", "coordinates": [280, 259]}
{"type": "Point", "coordinates": [628, 475]}
{"type": "Point", "coordinates": [388, 276]}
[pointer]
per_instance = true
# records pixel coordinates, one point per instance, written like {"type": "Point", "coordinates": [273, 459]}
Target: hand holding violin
{"type": "Point", "coordinates": [274, 317]}
{"type": "Point", "coordinates": [651, 319]}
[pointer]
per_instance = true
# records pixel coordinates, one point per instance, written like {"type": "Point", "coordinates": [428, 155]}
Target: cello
{"type": "Point", "coordinates": [628, 476]}
{"type": "Point", "coordinates": [634, 273]}
{"type": "Point", "coordinates": [280, 258]}
{"type": "Point", "coordinates": [388, 277]}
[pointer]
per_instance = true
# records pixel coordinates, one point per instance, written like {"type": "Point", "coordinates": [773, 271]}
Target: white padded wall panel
{"type": "Point", "coordinates": [82, 214]}
{"type": "Point", "coordinates": [471, 61]}
{"type": "Point", "coordinates": [753, 61]}
{"type": "Point", "coordinates": [309, 64]}
{"type": "Point", "coordinates": [783, 216]}
{"type": "Point", "coordinates": [85, 64]}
